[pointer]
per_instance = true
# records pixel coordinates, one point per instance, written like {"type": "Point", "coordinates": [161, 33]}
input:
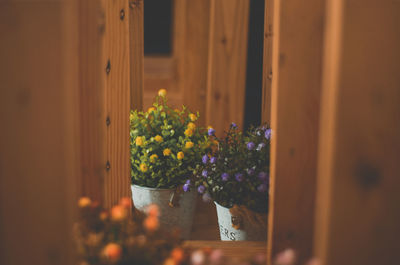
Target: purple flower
{"type": "Point", "coordinates": [204, 173]}
{"type": "Point", "coordinates": [188, 182]}
{"type": "Point", "coordinates": [186, 187]}
{"type": "Point", "coordinates": [205, 159]}
{"type": "Point", "coordinates": [263, 176]}
{"type": "Point", "coordinates": [213, 160]}
{"type": "Point", "coordinates": [250, 171]}
{"type": "Point", "coordinates": [268, 134]}
{"type": "Point", "coordinates": [250, 145]}
{"type": "Point", "coordinates": [239, 177]}
{"type": "Point", "coordinates": [201, 189]}
{"type": "Point", "coordinates": [260, 146]}
{"type": "Point", "coordinates": [206, 197]}
{"type": "Point", "coordinates": [233, 125]}
{"type": "Point", "coordinates": [225, 176]}
{"type": "Point", "coordinates": [211, 131]}
{"type": "Point", "coordinates": [262, 187]}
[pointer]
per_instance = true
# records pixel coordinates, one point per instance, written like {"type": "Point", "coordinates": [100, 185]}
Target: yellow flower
{"type": "Point", "coordinates": [131, 116]}
{"type": "Point", "coordinates": [158, 138]}
{"type": "Point", "coordinates": [153, 158]}
{"type": "Point", "coordinates": [162, 92]}
{"type": "Point", "coordinates": [180, 155]}
{"type": "Point", "coordinates": [167, 152]}
{"type": "Point", "coordinates": [139, 141]}
{"type": "Point", "coordinates": [189, 145]}
{"type": "Point", "coordinates": [188, 132]}
{"type": "Point", "coordinates": [151, 109]}
{"type": "Point", "coordinates": [176, 110]}
{"type": "Point", "coordinates": [143, 167]}
{"type": "Point", "coordinates": [191, 125]}
{"type": "Point", "coordinates": [192, 117]}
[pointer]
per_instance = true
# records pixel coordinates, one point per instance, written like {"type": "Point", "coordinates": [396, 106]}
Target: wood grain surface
{"type": "Point", "coordinates": [227, 63]}
{"type": "Point", "coordinates": [38, 108]}
{"type": "Point", "coordinates": [92, 133]}
{"type": "Point", "coordinates": [116, 74]}
{"type": "Point", "coordinates": [240, 250]}
{"type": "Point", "coordinates": [136, 35]}
{"type": "Point", "coordinates": [358, 213]}
{"type": "Point", "coordinates": [267, 62]}
{"type": "Point", "coordinates": [297, 63]}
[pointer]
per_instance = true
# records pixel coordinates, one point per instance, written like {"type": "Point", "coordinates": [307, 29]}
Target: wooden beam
{"type": "Point", "coordinates": [192, 70]}
{"type": "Point", "coordinates": [38, 108]}
{"type": "Point", "coordinates": [267, 64]}
{"type": "Point", "coordinates": [229, 21]}
{"type": "Point", "coordinates": [116, 74]}
{"type": "Point", "coordinates": [136, 31]}
{"type": "Point", "coordinates": [358, 212]}
{"type": "Point", "coordinates": [92, 97]}
{"type": "Point", "coordinates": [296, 84]}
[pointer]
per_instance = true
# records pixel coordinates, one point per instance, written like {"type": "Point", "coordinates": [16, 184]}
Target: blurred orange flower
{"type": "Point", "coordinates": [126, 202]}
{"type": "Point", "coordinates": [151, 223]}
{"type": "Point", "coordinates": [113, 252]}
{"type": "Point", "coordinates": [118, 213]}
{"type": "Point", "coordinates": [84, 202]}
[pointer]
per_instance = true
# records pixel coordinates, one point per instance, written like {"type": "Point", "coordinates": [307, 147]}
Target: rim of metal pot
{"type": "Point", "coordinates": [148, 188]}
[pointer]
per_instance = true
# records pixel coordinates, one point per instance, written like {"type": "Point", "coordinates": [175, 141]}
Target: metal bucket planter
{"type": "Point", "coordinates": [228, 233]}
{"type": "Point", "coordinates": [180, 216]}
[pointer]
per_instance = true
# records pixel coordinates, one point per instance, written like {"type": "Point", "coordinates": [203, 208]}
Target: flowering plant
{"type": "Point", "coordinates": [237, 172]}
{"type": "Point", "coordinates": [119, 236]}
{"type": "Point", "coordinates": [166, 144]}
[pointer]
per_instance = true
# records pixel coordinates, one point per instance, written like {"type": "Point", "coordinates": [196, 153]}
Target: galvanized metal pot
{"type": "Point", "coordinates": [228, 233]}
{"type": "Point", "coordinates": [180, 216]}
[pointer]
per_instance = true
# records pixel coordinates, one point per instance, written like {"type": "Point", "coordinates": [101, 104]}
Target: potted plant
{"type": "Point", "coordinates": [166, 146]}
{"type": "Point", "coordinates": [236, 177]}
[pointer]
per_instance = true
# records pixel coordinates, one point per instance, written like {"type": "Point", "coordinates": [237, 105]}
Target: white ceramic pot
{"type": "Point", "coordinates": [228, 233]}
{"type": "Point", "coordinates": [179, 216]}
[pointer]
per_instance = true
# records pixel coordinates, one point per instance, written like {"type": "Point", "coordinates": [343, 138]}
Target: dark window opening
{"type": "Point", "coordinates": [158, 27]}
{"type": "Point", "coordinates": [254, 72]}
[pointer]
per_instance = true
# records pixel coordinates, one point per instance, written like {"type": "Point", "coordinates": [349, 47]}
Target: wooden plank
{"type": "Point", "coordinates": [136, 30]}
{"type": "Point", "coordinates": [116, 74]}
{"type": "Point", "coordinates": [239, 250]}
{"type": "Point", "coordinates": [226, 63]}
{"type": "Point", "coordinates": [267, 62]}
{"type": "Point", "coordinates": [358, 213]}
{"type": "Point", "coordinates": [297, 56]}
{"type": "Point", "coordinates": [92, 98]}
{"type": "Point", "coordinates": [192, 70]}
{"type": "Point", "coordinates": [37, 111]}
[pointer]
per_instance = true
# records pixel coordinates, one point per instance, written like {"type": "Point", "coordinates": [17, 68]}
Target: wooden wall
{"type": "Point", "coordinates": [206, 51]}
{"type": "Point", "coordinates": [38, 113]}
{"type": "Point", "coordinates": [111, 76]}
{"type": "Point", "coordinates": [296, 83]}
{"type": "Point", "coordinates": [116, 74]}
{"type": "Point", "coordinates": [226, 63]}
{"type": "Point", "coordinates": [358, 213]}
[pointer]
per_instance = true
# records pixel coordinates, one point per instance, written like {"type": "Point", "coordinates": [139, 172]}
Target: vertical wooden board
{"type": "Point", "coordinates": [136, 31]}
{"type": "Point", "coordinates": [267, 62]}
{"type": "Point", "coordinates": [297, 56]}
{"type": "Point", "coordinates": [358, 211]}
{"type": "Point", "coordinates": [116, 72]}
{"type": "Point", "coordinates": [92, 99]}
{"type": "Point", "coordinates": [36, 112]}
{"type": "Point", "coordinates": [193, 68]}
{"type": "Point", "coordinates": [227, 63]}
